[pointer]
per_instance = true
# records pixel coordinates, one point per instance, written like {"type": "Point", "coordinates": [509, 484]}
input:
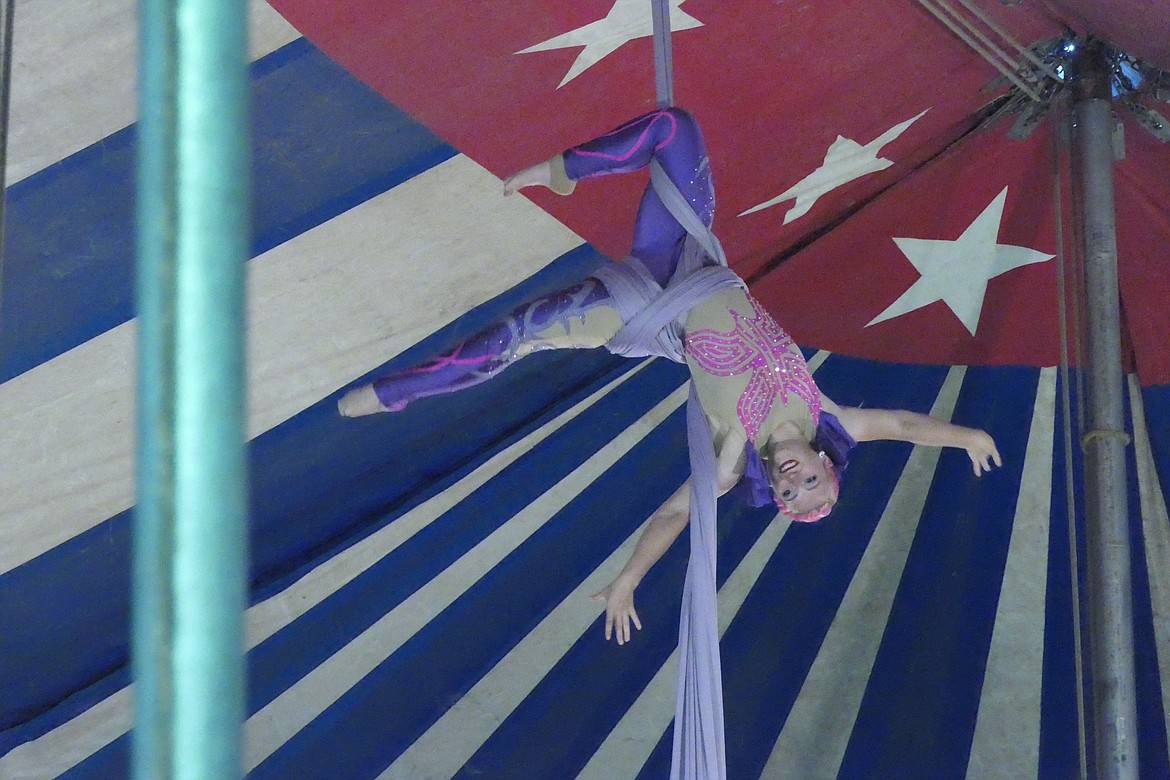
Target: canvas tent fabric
{"type": "Point", "coordinates": [420, 581]}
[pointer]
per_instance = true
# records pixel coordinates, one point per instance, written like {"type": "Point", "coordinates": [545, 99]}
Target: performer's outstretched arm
{"type": "Point", "coordinates": [902, 425]}
{"type": "Point", "coordinates": [664, 527]}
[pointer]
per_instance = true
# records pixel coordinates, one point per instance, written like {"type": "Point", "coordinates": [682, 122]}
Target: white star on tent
{"type": "Point", "coordinates": [957, 272]}
{"type": "Point", "coordinates": [845, 161]}
{"type": "Point", "coordinates": [626, 21]}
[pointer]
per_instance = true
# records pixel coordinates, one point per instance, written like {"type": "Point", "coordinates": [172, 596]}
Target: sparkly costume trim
{"type": "Point", "coordinates": [760, 346]}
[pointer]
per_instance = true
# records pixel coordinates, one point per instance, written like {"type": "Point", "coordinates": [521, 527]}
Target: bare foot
{"type": "Point", "coordinates": [549, 173]}
{"type": "Point", "coordinates": [359, 402]}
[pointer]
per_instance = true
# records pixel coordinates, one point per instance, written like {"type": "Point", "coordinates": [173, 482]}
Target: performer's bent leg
{"type": "Point", "coordinates": [580, 316]}
{"type": "Point", "coordinates": [672, 137]}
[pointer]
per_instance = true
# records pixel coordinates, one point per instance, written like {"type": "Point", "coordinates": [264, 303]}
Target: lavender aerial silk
{"type": "Point", "coordinates": [654, 318]}
{"type": "Point", "coordinates": [653, 291]}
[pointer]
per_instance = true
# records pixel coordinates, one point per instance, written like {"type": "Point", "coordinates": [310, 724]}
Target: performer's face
{"type": "Point", "coordinates": [801, 478]}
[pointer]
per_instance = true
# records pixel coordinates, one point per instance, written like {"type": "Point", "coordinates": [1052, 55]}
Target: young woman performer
{"type": "Point", "coordinates": [768, 421]}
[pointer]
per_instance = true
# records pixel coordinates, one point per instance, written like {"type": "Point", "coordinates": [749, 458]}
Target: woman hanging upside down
{"type": "Point", "coordinates": [769, 423]}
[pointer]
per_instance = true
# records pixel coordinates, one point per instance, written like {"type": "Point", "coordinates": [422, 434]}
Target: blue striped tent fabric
{"type": "Point", "coordinates": [419, 581]}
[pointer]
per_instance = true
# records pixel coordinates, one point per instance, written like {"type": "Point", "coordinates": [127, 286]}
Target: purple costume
{"type": "Point", "coordinates": [672, 138]}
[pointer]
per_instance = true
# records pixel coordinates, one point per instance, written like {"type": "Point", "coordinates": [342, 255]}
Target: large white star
{"type": "Point", "coordinates": [626, 21]}
{"type": "Point", "coordinates": [845, 161]}
{"type": "Point", "coordinates": [957, 272]}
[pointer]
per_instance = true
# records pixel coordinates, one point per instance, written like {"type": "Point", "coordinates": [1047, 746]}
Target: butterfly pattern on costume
{"type": "Point", "coordinates": [761, 346]}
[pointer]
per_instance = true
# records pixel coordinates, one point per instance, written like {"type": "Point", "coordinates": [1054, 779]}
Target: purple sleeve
{"type": "Point", "coordinates": [754, 487]}
{"type": "Point", "coordinates": [833, 440]}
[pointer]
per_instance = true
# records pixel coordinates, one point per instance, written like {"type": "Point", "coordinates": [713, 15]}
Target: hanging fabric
{"type": "Point", "coordinates": [654, 318]}
{"type": "Point", "coordinates": [663, 65]}
{"type": "Point", "coordinates": [698, 750]}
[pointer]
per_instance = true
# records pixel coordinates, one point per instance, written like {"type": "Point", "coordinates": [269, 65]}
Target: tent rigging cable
{"type": "Point", "coordinates": [969, 31]}
{"type": "Point", "coordinates": [1024, 51]}
{"type": "Point", "coordinates": [1059, 122]}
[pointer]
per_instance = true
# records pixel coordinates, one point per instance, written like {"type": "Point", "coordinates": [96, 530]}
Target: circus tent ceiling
{"type": "Point", "coordinates": [805, 126]}
{"type": "Point", "coordinates": [420, 581]}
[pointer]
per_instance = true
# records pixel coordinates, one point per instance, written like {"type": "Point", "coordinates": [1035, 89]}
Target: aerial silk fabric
{"type": "Point", "coordinates": [654, 318]}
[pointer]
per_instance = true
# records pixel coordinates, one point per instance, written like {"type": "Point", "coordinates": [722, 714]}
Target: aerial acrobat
{"type": "Point", "coordinates": [767, 421]}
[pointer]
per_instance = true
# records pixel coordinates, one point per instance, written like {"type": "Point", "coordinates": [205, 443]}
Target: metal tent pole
{"type": "Point", "coordinates": [153, 600]}
{"type": "Point", "coordinates": [1105, 441]}
{"type": "Point", "coordinates": [190, 551]}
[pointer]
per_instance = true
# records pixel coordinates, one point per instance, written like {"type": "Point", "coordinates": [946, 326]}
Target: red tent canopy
{"type": "Point", "coordinates": [837, 148]}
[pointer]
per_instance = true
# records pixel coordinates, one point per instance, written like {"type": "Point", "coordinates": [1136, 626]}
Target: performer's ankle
{"type": "Point", "coordinates": [362, 401]}
{"type": "Point", "coordinates": [559, 181]}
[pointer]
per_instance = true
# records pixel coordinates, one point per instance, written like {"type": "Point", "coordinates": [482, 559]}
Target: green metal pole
{"type": "Point", "coordinates": [190, 538]}
{"type": "Point", "coordinates": [153, 601]}
{"type": "Point", "coordinates": [210, 480]}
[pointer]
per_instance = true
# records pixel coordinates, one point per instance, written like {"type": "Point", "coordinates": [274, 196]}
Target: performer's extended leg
{"type": "Point", "coordinates": [576, 317]}
{"type": "Point", "coordinates": [672, 137]}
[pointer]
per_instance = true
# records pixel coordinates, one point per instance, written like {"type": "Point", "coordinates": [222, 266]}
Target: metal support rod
{"type": "Point", "coordinates": [1104, 443]}
{"type": "Point", "coordinates": [1020, 48]}
{"type": "Point", "coordinates": [153, 600]}
{"type": "Point", "coordinates": [191, 552]}
{"type": "Point", "coordinates": [210, 486]}
{"type": "Point", "coordinates": [959, 26]}
{"type": "Point", "coordinates": [1061, 122]}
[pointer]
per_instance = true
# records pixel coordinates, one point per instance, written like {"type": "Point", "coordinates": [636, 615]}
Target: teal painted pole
{"type": "Point", "coordinates": [190, 547]}
{"type": "Point", "coordinates": [153, 600]}
{"type": "Point", "coordinates": [210, 480]}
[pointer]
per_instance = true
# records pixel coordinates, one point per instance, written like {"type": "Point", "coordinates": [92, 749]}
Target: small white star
{"type": "Point", "coordinates": [845, 161]}
{"type": "Point", "coordinates": [626, 21]}
{"type": "Point", "coordinates": [957, 272]}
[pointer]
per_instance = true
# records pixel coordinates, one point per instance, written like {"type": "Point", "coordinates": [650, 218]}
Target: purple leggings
{"type": "Point", "coordinates": [672, 137]}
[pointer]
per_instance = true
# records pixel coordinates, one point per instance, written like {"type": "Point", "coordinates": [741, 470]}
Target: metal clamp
{"type": "Point", "coordinates": [1103, 433]}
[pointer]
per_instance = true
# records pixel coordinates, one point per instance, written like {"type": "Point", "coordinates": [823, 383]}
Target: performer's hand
{"type": "Point", "coordinates": [982, 452]}
{"type": "Point", "coordinates": [619, 609]}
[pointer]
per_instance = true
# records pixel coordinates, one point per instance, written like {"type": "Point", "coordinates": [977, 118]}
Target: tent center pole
{"type": "Point", "coordinates": [1105, 441]}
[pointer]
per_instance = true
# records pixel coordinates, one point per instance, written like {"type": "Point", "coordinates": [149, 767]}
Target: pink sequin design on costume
{"type": "Point", "coordinates": [761, 346]}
